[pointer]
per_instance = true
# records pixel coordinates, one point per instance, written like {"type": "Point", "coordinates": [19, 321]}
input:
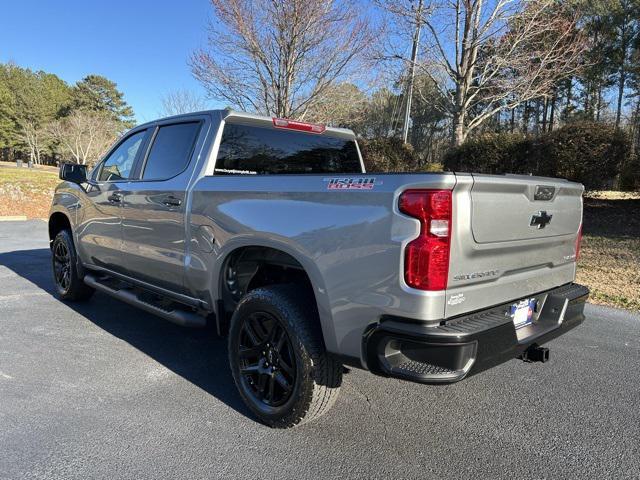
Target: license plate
{"type": "Point", "coordinates": [522, 312]}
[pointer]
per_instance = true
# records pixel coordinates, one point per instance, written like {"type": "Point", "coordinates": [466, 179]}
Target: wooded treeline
{"type": "Point", "coordinates": [478, 67]}
{"type": "Point", "coordinates": [500, 71]}
{"type": "Point", "coordinates": [45, 120]}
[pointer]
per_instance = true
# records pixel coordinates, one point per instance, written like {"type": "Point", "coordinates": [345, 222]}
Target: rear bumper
{"type": "Point", "coordinates": [469, 344]}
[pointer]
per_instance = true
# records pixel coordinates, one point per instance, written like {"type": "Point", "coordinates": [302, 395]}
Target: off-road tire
{"type": "Point", "coordinates": [317, 375]}
{"type": "Point", "coordinates": [69, 286]}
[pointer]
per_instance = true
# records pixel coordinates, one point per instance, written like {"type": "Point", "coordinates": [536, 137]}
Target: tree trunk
{"type": "Point", "coordinates": [553, 110]}
{"type": "Point", "coordinates": [637, 127]}
{"type": "Point", "coordinates": [634, 128]}
{"type": "Point", "coordinates": [513, 119]}
{"type": "Point", "coordinates": [459, 133]}
{"type": "Point", "coordinates": [525, 118]}
{"type": "Point", "coordinates": [545, 108]}
{"type": "Point", "coordinates": [569, 98]}
{"type": "Point", "coordinates": [621, 83]}
{"type": "Point", "coordinates": [587, 97]}
{"type": "Point", "coordinates": [623, 61]}
{"type": "Point", "coordinates": [599, 102]}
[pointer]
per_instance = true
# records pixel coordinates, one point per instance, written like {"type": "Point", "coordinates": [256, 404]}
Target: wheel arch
{"type": "Point", "coordinates": [275, 252]}
{"type": "Point", "coordinates": [58, 221]}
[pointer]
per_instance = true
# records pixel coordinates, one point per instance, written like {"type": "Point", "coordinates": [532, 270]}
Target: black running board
{"type": "Point", "coordinates": [181, 317]}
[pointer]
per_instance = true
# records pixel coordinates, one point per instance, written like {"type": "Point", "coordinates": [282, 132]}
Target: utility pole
{"type": "Point", "coordinates": [412, 71]}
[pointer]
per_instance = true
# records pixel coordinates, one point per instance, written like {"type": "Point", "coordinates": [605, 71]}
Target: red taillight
{"type": "Point", "coordinates": [578, 242]}
{"type": "Point", "coordinates": [300, 126]}
{"type": "Point", "coordinates": [426, 259]}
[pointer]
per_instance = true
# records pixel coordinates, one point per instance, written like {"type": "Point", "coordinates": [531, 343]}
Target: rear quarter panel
{"type": "Point", "coordinates": [350, 243]}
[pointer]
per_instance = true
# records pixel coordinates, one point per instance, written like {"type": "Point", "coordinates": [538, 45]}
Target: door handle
{"type": "Point", "coordinates": [115, 197]}
{"type": "Point", "coordinates": [172, 201]}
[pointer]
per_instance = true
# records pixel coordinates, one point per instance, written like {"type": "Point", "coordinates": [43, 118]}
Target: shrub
{"type": "Point", "coordinates": [587, 152]}
{"type": "Point", "coordinates": [388, 155]}
{"type": "Point", "coordinates": [630, 174]}
{"type": "Point", "coordinates": [490, 153]}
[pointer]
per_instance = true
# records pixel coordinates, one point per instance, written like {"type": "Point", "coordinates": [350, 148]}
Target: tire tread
{"type": "Point", "coordinates": [78, 291]}
{"type": "Point", "coordinates": [318, 395]}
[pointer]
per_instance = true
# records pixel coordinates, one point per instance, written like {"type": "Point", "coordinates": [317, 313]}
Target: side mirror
{"type": "Point", "coordinates": [72, 172]}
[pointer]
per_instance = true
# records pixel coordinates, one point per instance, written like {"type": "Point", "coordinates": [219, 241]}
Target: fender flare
{"type": "Point", "coordinates": [298, 254]}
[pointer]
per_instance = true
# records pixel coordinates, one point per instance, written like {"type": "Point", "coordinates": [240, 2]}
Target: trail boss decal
{"type": "Point", "coordinates": [363, 183]}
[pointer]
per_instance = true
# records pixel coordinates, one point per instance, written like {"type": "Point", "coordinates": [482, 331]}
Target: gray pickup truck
{"type": "Point", "coordinates": [271, 232]}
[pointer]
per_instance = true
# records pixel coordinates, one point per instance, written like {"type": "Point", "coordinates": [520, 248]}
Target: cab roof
{"type": "Point", "coordinates": [259, 120]}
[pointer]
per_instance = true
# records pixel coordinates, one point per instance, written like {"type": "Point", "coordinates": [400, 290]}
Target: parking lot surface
{"type": "Point", "coordinates": [102, 390]}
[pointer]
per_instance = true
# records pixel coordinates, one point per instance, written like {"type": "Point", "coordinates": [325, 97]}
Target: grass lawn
{"type": "Point", "coordinates": [609, 263]}
{"type": "Point", "coordinates": [25, 191]}
{"type": "Point", "coordinates": [610, 259]}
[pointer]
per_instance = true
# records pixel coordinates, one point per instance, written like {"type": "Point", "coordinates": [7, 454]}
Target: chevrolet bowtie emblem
{"type": "Point", "coordinates": [540, 219]}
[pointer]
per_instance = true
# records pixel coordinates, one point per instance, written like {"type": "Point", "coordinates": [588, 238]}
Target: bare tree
{"type": "Point", "coordinates": [342, 105]}
{"type": "Point", "coordinates": [278, 57]}
{"type": "Point", "coordinates": [177, 102]}
{"type": "Point", "coordinates": [35, 138]}
{"type": "Point", "coordinates": [84, 135]}
{"type": "Point", "coordinates": [489, 55]}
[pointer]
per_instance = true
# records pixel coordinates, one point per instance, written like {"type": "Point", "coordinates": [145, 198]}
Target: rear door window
{"type": "Point", "coordinates": [247, 149]}
{"type": "Point", "coordinates": [171, 150]}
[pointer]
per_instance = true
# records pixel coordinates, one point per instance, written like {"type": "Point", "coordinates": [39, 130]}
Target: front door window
{"type": "Point", "coordinates": [119, 164]}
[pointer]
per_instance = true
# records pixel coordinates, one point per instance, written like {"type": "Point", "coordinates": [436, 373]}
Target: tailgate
{"type": "Point", "coordinates": [508, 208]}
{"type": "Point", "coordinates": [512, 236]}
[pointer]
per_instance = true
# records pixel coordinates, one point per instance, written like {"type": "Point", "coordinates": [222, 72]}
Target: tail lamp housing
{"type": "Point", "coordinates": [426, 258]}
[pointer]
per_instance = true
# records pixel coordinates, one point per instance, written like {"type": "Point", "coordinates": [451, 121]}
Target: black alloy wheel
{"type": "Point", "coordinates": [267, 361]}
{"type": "Point", "coordinates": [278, 359]}
{"type": "Point", "coordinates": [62, 266]}
{"type": "Point", "coordinates": [69, 284]}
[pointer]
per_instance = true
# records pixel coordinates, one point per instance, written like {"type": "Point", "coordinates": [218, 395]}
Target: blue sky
{"type": "Point", "coordinates": [142, 45]}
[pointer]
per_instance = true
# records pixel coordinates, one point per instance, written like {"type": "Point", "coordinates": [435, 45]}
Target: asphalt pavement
{"type": "Point", "coordinates": [102, 390]}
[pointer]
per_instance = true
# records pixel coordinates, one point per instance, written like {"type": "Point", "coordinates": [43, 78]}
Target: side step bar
{"type": "Point", "coordinates": [181, 317]}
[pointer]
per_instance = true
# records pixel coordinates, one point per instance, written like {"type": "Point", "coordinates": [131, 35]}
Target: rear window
{"type": "Point", "coordinates": [171, 150]}
{"type": "Point", "coordinates": [254, 150]}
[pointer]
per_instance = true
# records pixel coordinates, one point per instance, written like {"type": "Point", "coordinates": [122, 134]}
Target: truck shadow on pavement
{"type": "Point", "coordinates": [198, 356]}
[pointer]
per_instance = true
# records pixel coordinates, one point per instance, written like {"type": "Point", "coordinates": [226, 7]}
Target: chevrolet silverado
{"type": "Point", "coordinates": [271, 231]}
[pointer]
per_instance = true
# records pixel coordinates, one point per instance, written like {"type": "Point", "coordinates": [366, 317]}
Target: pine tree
{"type": "Point", "coordinates": [99, 94]}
